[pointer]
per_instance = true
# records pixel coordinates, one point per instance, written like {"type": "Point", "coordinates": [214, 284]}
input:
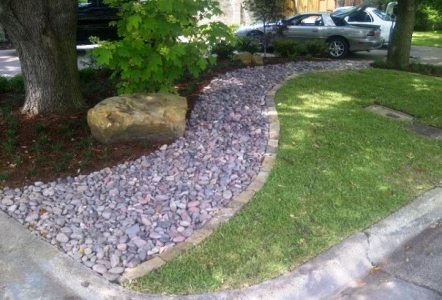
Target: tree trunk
{"type": "Point", "coordinates": [44, 34]}
{"type": "Point", "coordinates": [399, 48]}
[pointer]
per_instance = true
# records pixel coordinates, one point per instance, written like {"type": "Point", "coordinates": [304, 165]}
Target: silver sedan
{"type": "Point", "coordinates": [341, 37]}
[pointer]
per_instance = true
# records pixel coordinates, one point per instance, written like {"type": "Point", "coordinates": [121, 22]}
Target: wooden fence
{"type": "Point", "coordinates": [297, 6]}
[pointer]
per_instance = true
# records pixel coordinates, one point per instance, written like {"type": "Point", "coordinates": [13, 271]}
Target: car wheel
{"type": "Point", "coordinates": [338, 47]}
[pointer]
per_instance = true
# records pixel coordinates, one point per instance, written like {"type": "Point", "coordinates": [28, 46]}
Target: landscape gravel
{"type": "Point", "coordinates": [123, 215]}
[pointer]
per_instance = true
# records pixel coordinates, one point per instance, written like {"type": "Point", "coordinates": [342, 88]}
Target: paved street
{"type": "Point", "coordinates": [10, 64]}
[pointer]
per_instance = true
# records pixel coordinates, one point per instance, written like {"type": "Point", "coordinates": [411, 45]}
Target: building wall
{"type": "Point", "coordinates": [235, 12]}
{"type": "Point", "coordinates": [298, 6]}
{"type": "Point", "coordinates": [351, 2]}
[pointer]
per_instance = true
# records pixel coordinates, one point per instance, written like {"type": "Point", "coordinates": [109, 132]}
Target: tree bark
{"type": "Point", "coordinates": [44, 34]}
{"type": "Point", "coordinates": [400, 45]}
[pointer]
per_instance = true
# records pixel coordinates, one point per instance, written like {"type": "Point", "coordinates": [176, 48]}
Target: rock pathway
{"type": "Point", "coordinates": [118, 217]}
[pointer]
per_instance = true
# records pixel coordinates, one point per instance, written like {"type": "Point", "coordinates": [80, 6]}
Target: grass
{"type": "Point", "coordinates": [428, 38]}
{"type": "Point", "coordinates": [339, 169]}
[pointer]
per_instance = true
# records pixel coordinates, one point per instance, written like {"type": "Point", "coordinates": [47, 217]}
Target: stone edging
{"type": "Point", "coordinates": [232, 207]}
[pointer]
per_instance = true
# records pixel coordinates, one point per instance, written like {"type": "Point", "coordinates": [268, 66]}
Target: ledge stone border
{"type": "Point", "coordinates": [232, 207]}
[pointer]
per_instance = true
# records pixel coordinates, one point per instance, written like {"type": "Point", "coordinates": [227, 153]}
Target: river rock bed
{"type": "Point", "coordinates": [120, 216]}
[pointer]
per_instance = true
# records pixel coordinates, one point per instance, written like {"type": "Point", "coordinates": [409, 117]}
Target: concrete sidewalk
{"type": "Point", "coordinates": [400, 257]}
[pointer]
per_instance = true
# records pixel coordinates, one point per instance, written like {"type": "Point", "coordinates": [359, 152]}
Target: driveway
{"type": "Point", "coordinates": [419, 54]}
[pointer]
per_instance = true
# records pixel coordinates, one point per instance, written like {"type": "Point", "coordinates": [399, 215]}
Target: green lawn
{"type": "Point", "coordinates": [429, 38]}
{"type": "Point", "coordinates": [339, 169]}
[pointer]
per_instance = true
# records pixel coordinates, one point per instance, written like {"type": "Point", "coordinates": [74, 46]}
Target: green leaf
{"type": "Point", "coordinates": [133, 22]}
{"type": "Point", "coordinates": [123, 52]}
{"type": "Point", "coordinates": [102, 55]}
{"type": "Point", "coordinates": [202, 63]}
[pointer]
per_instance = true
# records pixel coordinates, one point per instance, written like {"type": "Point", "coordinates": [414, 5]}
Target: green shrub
{"type": "Point", "coordinates": [428, 16]}
{"type": "Point", "coordinates": [287, 48]}
{"type": "Point", "coordinates": [223, 50]}
{"type": "Point", "coordinates": [234, 27]}
{"type": "Point", "coordinates": [302, 50]}
{"type": "Point", "coordinates": [16, 84]}
{"type": "Point", "coordinates": [150, 56]}
{"type": "Point", "coordinates": [316, 48]}
{"type": "Point", "coordinates": [415, 67]}
{"type": "Point", "coordinates": [247, 44]}
{"type": "Point", "coordinates": [4, 176]}
{"type": "Point", "coordinates": [4, 85]}
{"type": "Point", "coordinates": [87, 75]}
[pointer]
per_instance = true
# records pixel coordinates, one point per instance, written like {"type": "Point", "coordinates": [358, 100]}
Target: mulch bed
{"type": "Point", "coordinates": [48, 147]}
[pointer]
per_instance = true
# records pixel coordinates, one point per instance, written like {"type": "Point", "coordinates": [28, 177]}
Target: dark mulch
{"type": "Point", "coordinates": [44, 148]}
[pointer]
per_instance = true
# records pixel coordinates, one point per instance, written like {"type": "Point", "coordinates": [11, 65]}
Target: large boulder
{"type": "Point", "coordinates": [248, 59]}
{"type": "Point", "coordinates": [138, 117]}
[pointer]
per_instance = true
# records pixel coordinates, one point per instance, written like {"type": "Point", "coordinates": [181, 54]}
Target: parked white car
{"type": "Point", "coordinates": [370, 15]}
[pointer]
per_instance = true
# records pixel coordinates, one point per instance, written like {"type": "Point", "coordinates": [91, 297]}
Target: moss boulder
{"type": "Point", "coordinates": [138, 117]}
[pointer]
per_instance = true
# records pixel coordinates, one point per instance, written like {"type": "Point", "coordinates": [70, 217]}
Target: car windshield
{"type": "Point", "coordinates": [342, 13]}
{"type": "Point", "coordinates": [343, 9]}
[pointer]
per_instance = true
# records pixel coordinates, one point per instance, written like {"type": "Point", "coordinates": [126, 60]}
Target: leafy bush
{"type": "Point", "coordinates": [160, 41]}
{"type": "Point", "coordinates": [414, 67]}
{"type": "Point", "coordinates": [287, 48]}
{"type": "Point", "coordinates": [291, 49]}
{"type": "Point", "coordinates": [14, 84]}
{"type": "Point", "coordinates": [87, 75]}
{"type": "Point", "coordinates": [223, 50]}
{"type": "Point", "coordinates": [4, 85]}
{"type": "Point", "coordinates": [428, 16]}
{"type": "Point", "coordinates": [316, 48]}
{"type": "Point", "coordinates": [247, 44]}
{"type": "Point", "coordinates": [234, 27]}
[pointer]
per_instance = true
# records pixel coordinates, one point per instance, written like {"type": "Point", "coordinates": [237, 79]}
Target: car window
{"type": "Point", "coordinates": [313, 20]}
{"type": "Point", "coordinates": [346, 11]}
{"type": "Point", "coordinates": [361, 16]}
{"type": "Point", "coordinates": [382, 15]}
{"type": "Point", "coordinates": [291, 21]}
